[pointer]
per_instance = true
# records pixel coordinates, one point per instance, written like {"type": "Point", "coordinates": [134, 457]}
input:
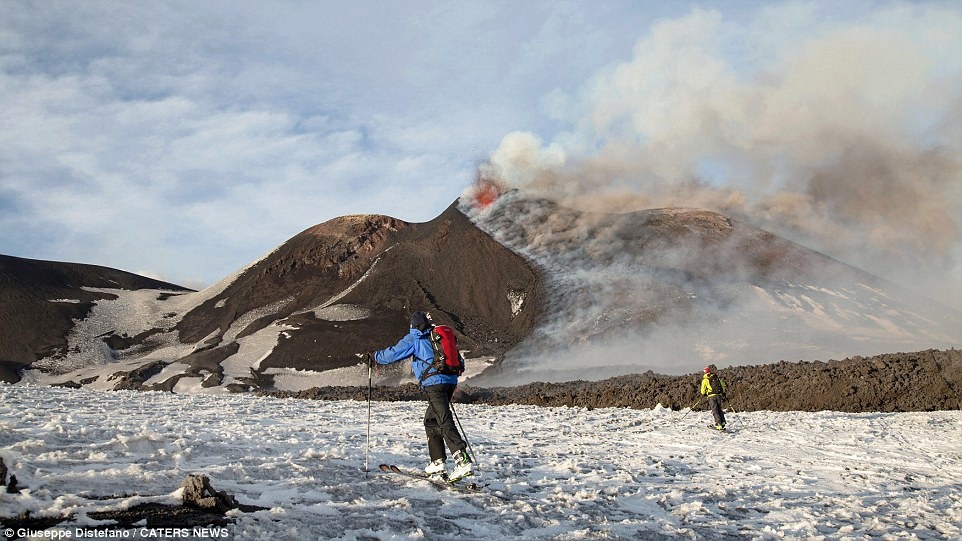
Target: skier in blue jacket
{"type": "Point", "coordinates": [438, 390]}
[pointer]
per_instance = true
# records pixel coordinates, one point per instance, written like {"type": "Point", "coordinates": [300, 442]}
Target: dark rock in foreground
{"type": "Point", "coordinates": [202, 506]}
{"type": "Point", "coordinates": [928, 380]}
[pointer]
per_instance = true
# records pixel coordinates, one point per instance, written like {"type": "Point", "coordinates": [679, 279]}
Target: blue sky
{"type": "Point", "coordinates": [183, 140]}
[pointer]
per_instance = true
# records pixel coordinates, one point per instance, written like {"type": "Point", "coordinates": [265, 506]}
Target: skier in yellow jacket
{"type": "Point", "coordinates": [714, 388]}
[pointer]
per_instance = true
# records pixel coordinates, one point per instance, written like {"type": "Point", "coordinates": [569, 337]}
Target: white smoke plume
{"type": "Point", "coordinates": [844, 136]}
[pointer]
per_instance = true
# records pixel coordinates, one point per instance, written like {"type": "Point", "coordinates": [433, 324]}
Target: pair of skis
{"type": "Point", "coordinates": [460, 485]}
{"type": "Point", "coordinates": [436, 479]}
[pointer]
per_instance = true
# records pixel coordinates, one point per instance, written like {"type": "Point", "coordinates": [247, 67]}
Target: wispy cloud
{"type": "Point", "coordinates": [185, 139]}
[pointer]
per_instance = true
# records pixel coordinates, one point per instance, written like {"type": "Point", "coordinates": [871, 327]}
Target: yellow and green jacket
{"type": "Point", "coordinates": [707, 390]}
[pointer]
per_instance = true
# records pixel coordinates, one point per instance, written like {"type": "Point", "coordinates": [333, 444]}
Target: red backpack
{"type": "Point", "coordinates": [447, 358]}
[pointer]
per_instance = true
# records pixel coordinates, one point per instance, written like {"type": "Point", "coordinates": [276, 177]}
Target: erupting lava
{"type": "Point", "coordinates": [485, 190]}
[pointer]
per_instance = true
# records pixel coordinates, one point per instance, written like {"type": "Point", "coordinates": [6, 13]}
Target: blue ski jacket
{"type": "Point", "coordinates": [415, 344]}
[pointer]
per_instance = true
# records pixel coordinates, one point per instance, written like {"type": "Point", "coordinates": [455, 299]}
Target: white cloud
{"type": "Point", "coordinates": [201, 131]}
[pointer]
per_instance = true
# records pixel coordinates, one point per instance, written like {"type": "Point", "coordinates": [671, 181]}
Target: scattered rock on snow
{"type": "Point", "coordinates": [135, 379]}
{"type": "Point", "coordinates": [12, 486]}
{"type": "Point", "coordinates": [199, 493]}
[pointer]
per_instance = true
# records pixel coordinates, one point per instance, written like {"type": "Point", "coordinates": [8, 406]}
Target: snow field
{"type": "Point", "coordinates": [565, 473]}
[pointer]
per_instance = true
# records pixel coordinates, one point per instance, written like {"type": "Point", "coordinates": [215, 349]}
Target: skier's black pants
{"type": "Point", "coordinates": [715, 403]}
{"type": "Point", "coordinates": [439, 422]}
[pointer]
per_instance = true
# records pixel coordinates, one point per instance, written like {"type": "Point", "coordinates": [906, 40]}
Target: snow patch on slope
{"type": "Point", "coordinates": [251, 316]}
{"type": "Point", "coordinates": [342, 312]}
{"type": "Point", "coordinates": [253, 349]}
{"type": "Point", "coordinates": [133, 312]}
{"type": "Point", "coordinates": [129, 314]}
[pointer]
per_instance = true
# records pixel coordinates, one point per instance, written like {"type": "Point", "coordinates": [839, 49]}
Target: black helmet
{"type": "Point", "coordinates": [421, 321]}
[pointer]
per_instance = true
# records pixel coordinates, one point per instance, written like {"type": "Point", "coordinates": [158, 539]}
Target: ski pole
{"type": "Point", "coordinates": [370, 386]}
{"type": "Point", "coordinates": [692, 406]}
{"type": "Point", "coordinates": [454, 412]}
{"type": "Point", "coordinates": [731, 406]}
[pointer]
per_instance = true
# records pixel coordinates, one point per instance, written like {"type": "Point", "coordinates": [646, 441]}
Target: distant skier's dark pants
{"type": "Point", "coordinates": [715, 403]}
{"type": "Point", "coordinates": [439, 423]}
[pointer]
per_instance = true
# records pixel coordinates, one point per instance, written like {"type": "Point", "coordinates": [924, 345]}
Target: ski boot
{"type": "Point", "coordinates": [462, 466]}
{"type": "Point", "coordinates": [436, 469]}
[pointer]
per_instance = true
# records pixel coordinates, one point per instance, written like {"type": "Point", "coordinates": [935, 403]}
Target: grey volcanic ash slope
{"type": "Point", "coordinates": [670, 290]}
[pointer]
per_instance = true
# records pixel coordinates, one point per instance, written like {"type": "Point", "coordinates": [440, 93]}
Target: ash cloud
{"type": "Point", "coordinates": [843, 136]}
{"type": "Point", "coordinates": [846, 137]}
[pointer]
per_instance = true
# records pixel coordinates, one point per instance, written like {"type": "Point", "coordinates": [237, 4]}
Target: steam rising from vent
{"type": "Point", "coordinates": [844, 137]}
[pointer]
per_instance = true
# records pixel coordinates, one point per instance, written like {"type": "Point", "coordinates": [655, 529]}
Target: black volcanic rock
{"type": "Point", "coordinates": [920, 381]}
{"type": "Point", "coordinates": [134, 380]}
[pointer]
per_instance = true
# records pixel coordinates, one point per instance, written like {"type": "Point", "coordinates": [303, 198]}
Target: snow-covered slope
{"type": "Point", "coordinates": [568, 473]}
{"type": "Point", "coordinates": [130, 313]}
